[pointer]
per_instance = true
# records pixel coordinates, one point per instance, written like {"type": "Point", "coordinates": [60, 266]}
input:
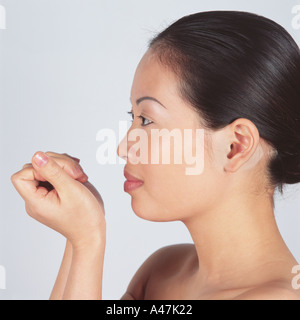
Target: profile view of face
{"type": "Point", "coordinates": [168, 192]}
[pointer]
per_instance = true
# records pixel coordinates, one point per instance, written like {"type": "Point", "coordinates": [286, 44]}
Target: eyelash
{"type": "Point", "coordinates": [140, 117]}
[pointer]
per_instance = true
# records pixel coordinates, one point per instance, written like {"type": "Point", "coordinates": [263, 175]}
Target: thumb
{"type": "Point", "coordinates": [51, 172]}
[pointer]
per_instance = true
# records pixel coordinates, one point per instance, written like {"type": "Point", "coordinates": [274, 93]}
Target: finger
{"type": "Point", "coordinates": [72, 160]}
{"type": "Point", "coordinates": [36, 175]}
{"type": "Point", "coordinates": [27, 165]}
{"type": "Point", "coordinates": [51, 171]}
{"type": "Point", "coordinates": [25, 183]}
{"type": "Point", "coordinates": [75, 159]}
{"type": "Point", "coordinates": [73, 170]}
{"type": "Point", "coordinates": [63, 155]}
{"type": "Point", "coordinates": [71, 167]}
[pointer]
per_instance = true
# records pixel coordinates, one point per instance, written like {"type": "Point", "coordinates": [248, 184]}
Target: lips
{"type": "Point", "coordinates": [131, 178]}
{"type": "Point", "coordinates": [131, 183]}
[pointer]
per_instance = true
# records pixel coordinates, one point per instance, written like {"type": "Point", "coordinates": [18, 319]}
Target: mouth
{"type": "Point", "coordinates": [132, 183]}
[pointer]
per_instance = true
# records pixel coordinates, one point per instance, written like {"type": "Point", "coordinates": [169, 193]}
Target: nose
{"type": "Point", "coordinates": [123, 149]}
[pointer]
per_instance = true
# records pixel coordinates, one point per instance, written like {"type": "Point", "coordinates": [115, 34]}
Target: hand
{"type": "Point", "coordinates": [72, 207]}
{"type": "Point", "coordinates": [68, 163]}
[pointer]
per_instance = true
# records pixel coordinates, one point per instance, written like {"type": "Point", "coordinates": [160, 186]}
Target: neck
{"type": "Point", "coordinates": [238, 244]}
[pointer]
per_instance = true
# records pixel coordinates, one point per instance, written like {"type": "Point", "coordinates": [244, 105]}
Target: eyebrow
{"type": "Point", "coordinates": [138, 101]}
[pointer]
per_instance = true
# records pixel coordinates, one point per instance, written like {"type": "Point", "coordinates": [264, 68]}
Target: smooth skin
{"type": "Point", "coordinates": [238, 252]}
{"type": "Point", "coordinates": [74, 209]}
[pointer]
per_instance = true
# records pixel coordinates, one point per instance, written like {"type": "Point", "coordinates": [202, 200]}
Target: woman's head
{"type": "Point", "coordinates": [237, 76]}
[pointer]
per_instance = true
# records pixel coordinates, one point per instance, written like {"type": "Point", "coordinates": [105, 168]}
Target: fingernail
{"type": "Point", "coordinates": [40, 159]}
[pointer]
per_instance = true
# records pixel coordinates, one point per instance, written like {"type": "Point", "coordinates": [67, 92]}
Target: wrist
{"type": "Point", "coordinates": [86, 272]}
{"type": "Point", "coordinates": [89, 239]}
{"type": "Point", "coordinates": [91, 243]}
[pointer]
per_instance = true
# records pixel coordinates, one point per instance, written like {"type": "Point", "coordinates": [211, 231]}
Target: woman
{"type": "Point", "coordinates": [235, 75]}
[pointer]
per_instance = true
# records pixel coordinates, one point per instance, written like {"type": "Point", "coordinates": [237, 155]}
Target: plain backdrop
{"type": "Point", "coordinates": [66, 68]}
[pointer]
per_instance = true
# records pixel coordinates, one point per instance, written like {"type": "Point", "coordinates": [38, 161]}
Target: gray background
{"type": "Point", "coordinates": [66, 68]}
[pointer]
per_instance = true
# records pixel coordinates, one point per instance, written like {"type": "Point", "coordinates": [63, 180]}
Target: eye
{"type": "Point", "coordinates": [145, 121]}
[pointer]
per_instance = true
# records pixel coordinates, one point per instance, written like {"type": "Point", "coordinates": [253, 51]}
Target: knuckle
{"type": "Point", "coordinates": [27, 165]}
{"type": "Point", "coordinates": [77, 172]}
{"type": "Point", "coordinates": [13, 178]}
{"type": "Point", "coordinates": [54, 171]}
{"type": "Point", "coordinates": [51, 153]}
{"type": "Point", "coordinates": [73, 159]}
{"type": "Point", "coordinates": [68, 157]}
{"type": "Point", "coordinates": [72, 166]}
{"type": "Point", "coordinates": [66, 162]}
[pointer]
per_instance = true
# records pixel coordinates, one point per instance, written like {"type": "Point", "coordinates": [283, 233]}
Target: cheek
{"type": "Point", "coordinates": [158, 199]}
{"type": "Point", "coordinates": [169, 194]}
{"type": "Point", "coordinates": [166, 146]}
{"type": "Point", "coordinates": [166, 169]}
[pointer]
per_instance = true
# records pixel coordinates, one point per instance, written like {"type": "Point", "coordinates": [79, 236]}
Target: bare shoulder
{"type": "Point", "coordinates": [163, 263]}
{"type": "Point", "coordinates": [270, 292]}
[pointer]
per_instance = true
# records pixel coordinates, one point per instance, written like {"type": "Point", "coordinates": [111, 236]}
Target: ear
{"type": "Point", "coordinates": [244, 139]}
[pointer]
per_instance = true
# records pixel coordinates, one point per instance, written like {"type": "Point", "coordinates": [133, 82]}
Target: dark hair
{"type": "Point", "coordinates": [235, 65]}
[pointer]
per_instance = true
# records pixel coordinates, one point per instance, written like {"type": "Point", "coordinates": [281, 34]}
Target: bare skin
{"type": "Point", "coordinates": [73, 208]}
{"type": "Point", "coordinates": [171, 273]}
{"type": "Point", "coordinates": [238, 252]}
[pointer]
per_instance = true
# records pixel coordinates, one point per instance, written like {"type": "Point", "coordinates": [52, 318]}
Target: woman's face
{"type": "Point", "coordinates": [168, 192]}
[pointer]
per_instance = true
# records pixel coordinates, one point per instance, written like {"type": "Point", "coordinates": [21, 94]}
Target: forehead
{"type": "Point", "coordinates": [153, 79]}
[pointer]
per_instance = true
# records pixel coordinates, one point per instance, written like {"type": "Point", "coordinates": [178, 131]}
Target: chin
{"type": "Point", "coordinates": [146, 212]}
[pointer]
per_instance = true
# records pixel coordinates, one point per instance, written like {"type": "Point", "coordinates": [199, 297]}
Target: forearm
{"type": "Point", "coordinates": [86, 273]}
{"type": "Point", "coordinates": [62, 277]}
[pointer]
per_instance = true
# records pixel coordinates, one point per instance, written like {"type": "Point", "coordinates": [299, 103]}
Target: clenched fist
{"type": "Point", "coordinates": [57, 193]}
